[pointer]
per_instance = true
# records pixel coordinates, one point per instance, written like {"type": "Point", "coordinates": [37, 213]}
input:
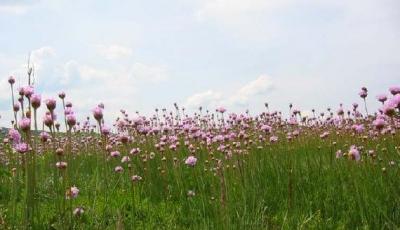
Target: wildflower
{"type": "Point", "coordinates": [379, 123]}
{"type": "Point", "coordinates": [105, 130]}
{"type": "Point", "coordinates": [118, 169]}
{"type": "Point", "coordinates": [78, 211]}
{"type": "Point", "coordinates": [125, 159]}
{"type": "Point", "coordinates": [136, 178]}
{"type": "Point", "coordinates": [191, 161]}
{"type": "Point", "coordinates": [22, 148]}
{"type": "Point", "coordinates": [16, 107]}
{"type": "Point", "coordinates": [394, 90]}
{"type": "Point", "coordinates": [339, 154]}
{"type": "Point", "coordinates": [51, 104]}
{"type": "Point", "coordinates": [134, 151]}
{"type": "Point", "coordinates": [354, 154]}
{"type": "Point", "coordinates": [36, 100]}
{"type": "Point", "coordinates": [72, 192]}
{"type": "Point", "coordinates": [98, 113]}
{"type": "Point", "coordinates": [61, 95]}
{"type": "Point", "coordinates": [71, 120]}
{"type": "Point", "coordinates": [11, 80]}
{"type": "Point", "coordinates": [381, 97]}
{"type": "Point", "coordinates": [273, 139]}
{"type": "Point", "coordinates": [25, 124]}
{"type": "Point", "coordinates": [115, 154]}
{"type": "Point", "coordinates": [14, 135]}
{"type": "Point", "coordinates": [44, 136]}
{"type": "Point", "coordinates": [191, 193]}
{"type": "Point", "coordinates": [61, 165]}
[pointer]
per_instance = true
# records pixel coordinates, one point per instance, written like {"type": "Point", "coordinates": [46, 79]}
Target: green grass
{"type": "Point", "coordinates": [286, 185]}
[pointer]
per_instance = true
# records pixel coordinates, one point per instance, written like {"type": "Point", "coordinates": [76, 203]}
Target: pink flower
{"type": "Point", "coordinates": [118, 169]}
{"type": "Point", "coordinates": [379, 123]}
{"type": "Point", "coordinates": [98, 113]}
{"type": "Point", "coordinates": [51, 104]}
{"type": "Point", "coordinates": [134, 151]}
{"type": "Point", "coordinates": [25, 124]}
{"type": "Point", "coordinates": [61, 95]}
{"type": "Point", "coordinates": [339, 154]}
{"type": "Point", "coordinates": [11, 80]}
{"type": "Point", "coordinates": [191, 161]}
{"type": "Point", "coordinates": [78, 211]}
{"type": "Point", "coordinates": [273, 139]}
{"type": "Point", "coordinates": [394, 90]}
{"type": "Point", "coordinates": [61, 165]}
{"type": "Point", "coordinates": [22, 147]}
{"type": "Point", "coordinates": [14, 135]}
{"type": "Point", "coordinates": [72, 192]}
{"type": "Point", "coordinates": [382, 98]}
{"type": "Point", "coordinates": [354, 154]}
{"type": "Point", "coordinates": [44, 136]}
{"type": "Point", "coordinates": [363, 93]}
{"type": "Point", "coordinates": [136, 178]}
{"type": "Point", "coordinates": [36, 100]}
{"type": "Point", "coordinates": [71, 120]}
{"type": "Point", "coordinates": [115, 154]}
{"type": "Point", "coordinates": [28, 91]}
{"type": "Point", "coordinates": [125, 159]}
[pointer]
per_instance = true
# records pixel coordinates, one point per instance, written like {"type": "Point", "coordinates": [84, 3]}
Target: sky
{"type": "Point", "coordinates": [142, 55]}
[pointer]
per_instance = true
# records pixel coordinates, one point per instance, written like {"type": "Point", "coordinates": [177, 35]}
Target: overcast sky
{"type": "Point", "coordinates": [142, 55]}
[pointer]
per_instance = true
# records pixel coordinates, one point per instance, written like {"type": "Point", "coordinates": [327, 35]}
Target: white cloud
{"type": "Point", "coordinates": [240, 98]}
{"type": "Point", "coordinates": [153, 73]}
{"type": "Point", "coordinates": [114, 51]}
{"type": "Point", "coordinates": [254, 88]}
{"type": "Point", "coordinates": [208, 98]}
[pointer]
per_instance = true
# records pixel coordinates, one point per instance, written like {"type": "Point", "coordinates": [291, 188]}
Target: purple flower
{"type": "Point", "coordinates": [354, 154]}
{"type": "Point", "coordinates": [14, 135]}
{"type": "Point", "coordinates": [98, 113]}
{"type": "Point", "coordinates": [191, 161]}
{"type": "Point", "coordinates": [25, 124]}
{"type": "Point", "coordinates": [394, 90]}
{"type": "Point", "coordinates": [11, 80]}
{"type": "Point", "coordinates": [71, 120]}
{"type": "Point", "coordinates": [36, 100]}
{"type": "Point", "coordinates": [51, 104]}
{"type": "Point", "coordinates": [21, 147]}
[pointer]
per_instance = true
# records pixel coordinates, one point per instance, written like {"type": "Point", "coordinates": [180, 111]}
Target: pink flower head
{"type": "Point", "coordinates": [36, 100]}
{"type": "Point", "coordinates": [221, 110]}
{"type": "Point", "coordinates": [16, 107]}
{"type": "Point", "coordinates": [11, 80]}
{"type": "Point", "coordinates": [22, 147]}
{"type": "Point", "coordinates": [394, 90]}
{"type": "Point", "coordinates": [381, 97]}
{"type": "Point", "coordinates": [363, 94]}
{"type": "Point", "coordinates": [72, 192]}
{"type": "Point", "coordinates": [115, 154]}
{"type": "Point", "coordinates": [191, 161]}
{"type": "Point", "coordinates": [339, 154]}
{"type": "Point", "coordinates": [61, 165]}
{"type": "Point", "coordinates": [354, 154]}
{"type": "Point", "coordinates": [118, 169]}
{"type": "Point", "coordinates": [14, 135]}
{"type": "Point", "coordinates": [71, 120]}
{"type": "Point", "coordinates": [98, 113]}
{"type": "Point", "coordinates": [51, 104]}
{"type": "Point", "coordinates": [105, 130]}
{"type": "Point", "coordinates": [273, 139]}
{"type": "Point", "coordinates": [25, 124]}
{"type": "Point", "coordinates": [379, 123]}
{"type": "Point", "coordinates": [136, 178]}
{"type": "Point", "coordinates": [48, 120]}
{"type": "Point", "coordinates": [125, 159]}
{"type": "Point", "coordinates": [78, 211]}
{"type": "Point", "coordinates": [28, 91]}
{"type": "Point", "coordinates": [61, 95]}
{"type": "Point", "coordinates": [134, 151]}
{"type": "Point", "coordinates": [44, 136]}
